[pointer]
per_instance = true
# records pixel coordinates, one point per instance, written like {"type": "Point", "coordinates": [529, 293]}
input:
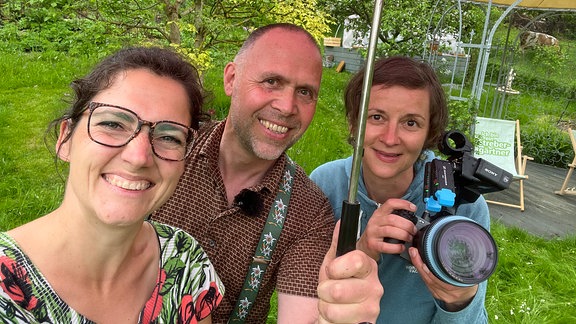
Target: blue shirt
{"type": "Point", "coordinates": [406, 297]}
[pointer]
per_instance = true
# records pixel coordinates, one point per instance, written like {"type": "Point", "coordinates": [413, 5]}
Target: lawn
{"type": "Point", "coordinates": [535, 280]}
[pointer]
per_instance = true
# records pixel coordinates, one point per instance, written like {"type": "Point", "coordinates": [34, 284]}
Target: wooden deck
{"type": "Point", "coordinates": [546, 214]}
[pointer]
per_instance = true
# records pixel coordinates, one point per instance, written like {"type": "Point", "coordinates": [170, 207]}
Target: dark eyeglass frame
{"type": "Point", "coordinates": [151, 125]}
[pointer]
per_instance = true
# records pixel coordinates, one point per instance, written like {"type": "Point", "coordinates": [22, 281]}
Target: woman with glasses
{"type": "Point", "coordinates": [97, 258]}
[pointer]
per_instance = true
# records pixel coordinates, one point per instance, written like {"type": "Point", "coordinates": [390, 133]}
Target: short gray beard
{"type": "Point", "coordinates": [250, 142]}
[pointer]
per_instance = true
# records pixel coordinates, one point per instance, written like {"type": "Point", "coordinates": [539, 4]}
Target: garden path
{"type": "Point", "coordinates": [546, 214]}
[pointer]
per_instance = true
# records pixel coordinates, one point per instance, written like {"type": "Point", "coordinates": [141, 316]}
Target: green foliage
{"type": "Point", "coordinates": [201, 59]}
{"type": "Point", "coordinates": [462, 115]}
{"type": "Point", "coordinates": [404, 23]}
{"type": "Point", "coordinates": [303, 13]}
{"type": "Point", "coordinates": [196, 29]}
{"type": "Point", "coordinates": [401, 26]}
{"type": "Point", "coordinates": [539, 83]}
{"type": "Point", "coordinates": [545, 69]}
{"type": "Point", "coordinates": [218, 102]}
{"type": "Point", "coordinates": [559, 22]}
{"type": "Point", "coordinates": [547, 144]}
{"type": "Point", "coordinates": [41, 25]}
{"type": "Point", "coordinates": [548, 58]}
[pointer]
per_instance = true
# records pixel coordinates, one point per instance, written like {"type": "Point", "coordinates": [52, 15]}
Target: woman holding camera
{"type": "Point", "coordinates": [406, 117]}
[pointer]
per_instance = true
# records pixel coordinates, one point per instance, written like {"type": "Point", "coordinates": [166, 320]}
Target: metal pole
{"type": "Point", "coordinates": [351, 208]}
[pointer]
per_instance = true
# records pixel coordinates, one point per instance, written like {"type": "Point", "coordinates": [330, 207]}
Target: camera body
{"type": "Point", "coordinates": [455, 248]}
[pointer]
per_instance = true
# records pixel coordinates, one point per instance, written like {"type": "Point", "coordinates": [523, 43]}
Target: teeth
{"type": "Point", "coordinates": [127, 184]}
{"type": "Point", "coordinates": [273, 127]}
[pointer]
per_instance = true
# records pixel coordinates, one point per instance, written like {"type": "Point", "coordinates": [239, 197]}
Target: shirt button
{"type": "Point", "coordinates": [212, 243]}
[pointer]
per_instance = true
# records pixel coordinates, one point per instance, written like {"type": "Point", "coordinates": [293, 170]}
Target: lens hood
{"type": "Point", "coordinates": [457, 250]}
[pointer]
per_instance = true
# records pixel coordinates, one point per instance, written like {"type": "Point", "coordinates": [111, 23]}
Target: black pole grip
{"type": "Point", "coordinates": [348, 228]}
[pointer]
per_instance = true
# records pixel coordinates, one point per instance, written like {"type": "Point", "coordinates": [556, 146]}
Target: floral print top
{"type": "Point", "coordinates": [188, 288]}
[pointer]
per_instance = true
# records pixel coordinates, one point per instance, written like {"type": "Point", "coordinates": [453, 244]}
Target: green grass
{"type": "Point", "coordinates": [29, 185]}
{"type": "Point", "coordinates": [30, 97]}
{"type": "Point", "coordinates": [535, 278]}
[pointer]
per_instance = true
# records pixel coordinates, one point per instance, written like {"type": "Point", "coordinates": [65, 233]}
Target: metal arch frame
{"type": "Point", "coordinates": [486, 43]}
{"type": "Point", "coordinates": [485, 46]}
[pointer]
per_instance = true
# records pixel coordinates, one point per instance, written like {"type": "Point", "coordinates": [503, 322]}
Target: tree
{"type": "Point", "coordinates": [196, 28]}
{"type": "Point", "coordinates": [404, 25]}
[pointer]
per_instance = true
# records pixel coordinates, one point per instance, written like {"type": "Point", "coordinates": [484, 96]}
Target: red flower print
{"type": "Point", "coordinates": [207, 301]}
{"type": "Point", "coordinates": [16, 283]}
{"type": "Point", "coordinates": [186, 312]}
{"type": "Point", "coordinates": [154, 304]}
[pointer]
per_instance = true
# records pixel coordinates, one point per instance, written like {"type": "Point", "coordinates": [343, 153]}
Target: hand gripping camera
{"type": "Point", "coordinates": [456, 249]}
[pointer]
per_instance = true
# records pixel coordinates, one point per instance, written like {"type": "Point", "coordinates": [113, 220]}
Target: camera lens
{"type": "Point", "coordinates": [458, 250]}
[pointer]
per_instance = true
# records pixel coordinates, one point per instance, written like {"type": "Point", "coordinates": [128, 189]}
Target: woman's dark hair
{"type": "Point", "coordinates": [408, 73]}
{"type": "Point", "coordinates": [163, 62]}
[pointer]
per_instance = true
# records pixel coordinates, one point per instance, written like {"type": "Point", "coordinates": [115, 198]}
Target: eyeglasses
{"type": "Point", "coordinates": [116, 126]}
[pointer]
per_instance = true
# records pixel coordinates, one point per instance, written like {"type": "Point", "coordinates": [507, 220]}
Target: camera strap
{"type": "Point", "coordinates": [264, 250]}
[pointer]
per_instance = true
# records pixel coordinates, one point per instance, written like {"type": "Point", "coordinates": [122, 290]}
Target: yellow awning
{"type": "Point", "coordinates": [534, 4]}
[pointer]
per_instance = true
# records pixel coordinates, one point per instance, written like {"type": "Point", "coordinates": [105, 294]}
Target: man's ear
{"type": "Point", "coordinates": [229, 76]}
{"type": "Point", "coordinates": [64, 138]}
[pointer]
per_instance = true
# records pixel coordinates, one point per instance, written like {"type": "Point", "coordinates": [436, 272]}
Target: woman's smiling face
{"type": "Point", "coordinates": [397, 125]}
{"type": "Point", "coordinates": [125, 184]}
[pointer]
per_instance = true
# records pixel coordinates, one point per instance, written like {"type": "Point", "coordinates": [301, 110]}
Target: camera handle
{"type": "Point", "coordinates": [405, 214]}
{"type": "Point", "coordinates": [439, 186]}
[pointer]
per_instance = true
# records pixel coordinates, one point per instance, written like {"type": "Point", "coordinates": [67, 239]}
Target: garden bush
{"type": "Point", "coordinates": [547, 144]}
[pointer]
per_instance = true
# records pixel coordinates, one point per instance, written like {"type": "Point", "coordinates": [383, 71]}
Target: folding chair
{"type": "Point", "coordinates": [565, 190]}
{"type": "Point", "coordinates": [495, 140]}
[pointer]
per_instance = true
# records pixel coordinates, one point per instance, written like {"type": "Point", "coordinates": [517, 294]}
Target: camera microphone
{"type": "Point", "coordinates": [249, 202]}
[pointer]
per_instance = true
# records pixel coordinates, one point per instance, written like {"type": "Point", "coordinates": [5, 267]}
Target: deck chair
{"type": "Point", "coordinates": [565, 190]}
{"type": "Point", "coordinates": [498, 142]}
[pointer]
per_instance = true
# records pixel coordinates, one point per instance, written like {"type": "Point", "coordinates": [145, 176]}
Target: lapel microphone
{"type": "Point", "coordinates": [249, 202]}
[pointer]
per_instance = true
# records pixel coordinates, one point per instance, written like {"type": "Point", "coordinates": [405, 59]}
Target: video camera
{"type": "Point", "coordinates": [456, 249]}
